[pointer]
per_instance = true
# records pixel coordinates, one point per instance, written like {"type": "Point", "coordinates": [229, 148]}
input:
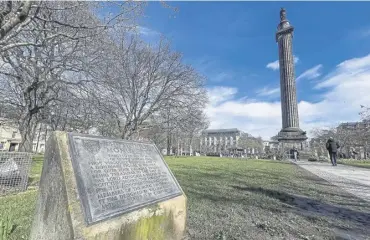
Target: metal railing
{"type": "Point", "coordinates": [14, 171]}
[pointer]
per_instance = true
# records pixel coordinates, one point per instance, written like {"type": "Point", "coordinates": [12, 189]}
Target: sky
{"type": "Point", "coordinates": [233, 45]}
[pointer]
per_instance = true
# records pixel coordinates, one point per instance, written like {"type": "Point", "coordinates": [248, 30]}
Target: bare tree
{"type": "Point", "coordinates": [248, 141]}
{"type": "Point", "coordinates": [274, 138]}
{"type": "Point", "coordinates": [34, 75]}
{"type": "Point", "coordinates": [348, 138]}
{"type": "Point", "coordinates": [24, 16]}
{"type": "Point", "coordinates": [54, 55]}
{"type": "Point", "coordinates": [141, 81]}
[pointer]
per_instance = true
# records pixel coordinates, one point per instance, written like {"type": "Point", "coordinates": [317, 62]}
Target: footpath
{"type": "Point", "coordinates": [354, 180]}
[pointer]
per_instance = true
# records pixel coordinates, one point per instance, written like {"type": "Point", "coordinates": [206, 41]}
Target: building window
{"type": "Point", "coordinates": [14, 134]}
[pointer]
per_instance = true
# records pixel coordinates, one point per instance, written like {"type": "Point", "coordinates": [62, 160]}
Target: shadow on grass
{"type": "Point", "coordinates": [309, 206]}
{"type": "Point", "coordinates": [314, 206]}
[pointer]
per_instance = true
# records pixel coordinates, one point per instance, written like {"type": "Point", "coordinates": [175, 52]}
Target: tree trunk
{"type": "Point", "coordinates": [168, 144]}
{"type": "Point", "coordinates": [27, 128]}
{"type": "Point", "coordinates": [38, 139]}
{"type": "Point", "coordinates": [178, 146]}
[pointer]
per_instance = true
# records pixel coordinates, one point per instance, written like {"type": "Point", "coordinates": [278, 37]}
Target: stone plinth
{"type": "Point", "coordinates": [292, 135]}
{"type": "Point", "coordinates": [103, 189]}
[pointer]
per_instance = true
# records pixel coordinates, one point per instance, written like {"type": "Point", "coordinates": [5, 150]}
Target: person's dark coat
{"type": "Point", "coordinates": [332, 145]}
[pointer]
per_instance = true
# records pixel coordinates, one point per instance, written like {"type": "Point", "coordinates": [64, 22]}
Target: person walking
{"type": "Point", "coordinates": [332, 147]}
{"type": "Point", "coordinates": [295, 154]}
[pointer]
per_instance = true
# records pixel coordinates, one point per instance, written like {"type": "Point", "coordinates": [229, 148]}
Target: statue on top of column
{"type": "Point", "coordinates": [282, 14]}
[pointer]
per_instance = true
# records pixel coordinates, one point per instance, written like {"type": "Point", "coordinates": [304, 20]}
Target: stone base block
{"type": "Point", "coordinates": [59, 215]}
{"type": "Point", "coordinates": [292, 135]}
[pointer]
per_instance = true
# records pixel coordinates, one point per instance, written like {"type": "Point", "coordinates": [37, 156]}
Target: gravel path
{"type": "Point", "coordinates": [354, 180]}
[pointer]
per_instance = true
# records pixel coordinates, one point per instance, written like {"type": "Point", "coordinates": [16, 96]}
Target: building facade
{"type": "Point", "coordinates": [10, 137]}
{"type": "Point", "coordinates": [219, 140]}
{"type": "Point", "coordinates": [356, 126]}
{"type": "Point", "coordinates": [355, 137]}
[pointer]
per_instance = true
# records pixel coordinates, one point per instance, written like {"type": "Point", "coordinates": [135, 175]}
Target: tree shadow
{"type": "Point", "coordinates": [311, 209]}
{"type": "Point", "coordinates": [311, 206]}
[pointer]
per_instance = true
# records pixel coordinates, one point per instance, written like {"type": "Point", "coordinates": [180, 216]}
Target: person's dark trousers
{"type": "Point", "coordinates": [333, 158]}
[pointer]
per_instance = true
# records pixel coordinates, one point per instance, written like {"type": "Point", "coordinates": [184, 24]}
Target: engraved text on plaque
{"type": "Point", "coordinates": [116, 176]}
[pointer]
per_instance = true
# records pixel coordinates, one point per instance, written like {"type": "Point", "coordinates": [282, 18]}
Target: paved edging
{"type": "Point", "coordinates": [354, 180]}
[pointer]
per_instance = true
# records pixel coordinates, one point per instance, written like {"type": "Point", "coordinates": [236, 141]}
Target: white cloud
{"type": "Point", "coordinates": [145, 31]}
{"type": "Point", "coordinates": [268, 92]}
{"type": "Point", "coordinates": [311, 73]}
{"type": "Point", "coordinates": [347, 88]}
{"type": "Point", "coordinates": [218, 95]}
{"type": "Point", "coordinates": [275, 65]}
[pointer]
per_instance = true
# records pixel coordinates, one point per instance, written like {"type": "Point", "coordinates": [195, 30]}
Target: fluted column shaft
{"type": "Point", "coordinates": [289, 106]}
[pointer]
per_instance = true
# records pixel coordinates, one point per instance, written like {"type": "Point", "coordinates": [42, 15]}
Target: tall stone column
{"type": "Point", "coordinates": [290, 131]}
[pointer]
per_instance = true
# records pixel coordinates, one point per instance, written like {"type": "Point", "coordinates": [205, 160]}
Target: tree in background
{"type": "Point", "coordinates": [247, 141]}
{"type": "Point", "coordinates": [274, 138]}
{"type": "Point", "coordinates": [64, 66]}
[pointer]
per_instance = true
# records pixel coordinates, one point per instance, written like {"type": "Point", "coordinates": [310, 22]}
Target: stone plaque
{"type": "Point", "coordinates": [117, 176]}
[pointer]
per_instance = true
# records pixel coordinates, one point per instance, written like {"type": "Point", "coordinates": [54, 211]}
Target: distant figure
{"type": "Point", "coordinates": [295, 154]}
{"type": "Point", "coordinates": [332, 147]}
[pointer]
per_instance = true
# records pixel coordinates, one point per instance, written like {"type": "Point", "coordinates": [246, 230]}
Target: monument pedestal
{"type": "Point", "coordinates": [290, 138]}
{"type": "Point", "coordinates": [102, 189]}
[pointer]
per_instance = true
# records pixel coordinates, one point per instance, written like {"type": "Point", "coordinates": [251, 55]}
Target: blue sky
{"type": "Point", "coordinates": [233, 45]}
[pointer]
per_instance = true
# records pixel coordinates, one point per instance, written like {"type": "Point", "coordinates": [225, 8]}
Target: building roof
{"type": "Point", "coordinates": [357, 125]}
{"type": "Point", "coordinates": [221, 130]}
{"type": "Point", "coordinates": [349, 124]}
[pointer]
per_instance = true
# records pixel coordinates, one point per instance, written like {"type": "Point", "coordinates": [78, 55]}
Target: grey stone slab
{"type": "Point", "coordinates": [116, 176]}
{"type": "Point", "coordinates": [52, 220]}
{"type": "Point", "coordinates": [106, 189]}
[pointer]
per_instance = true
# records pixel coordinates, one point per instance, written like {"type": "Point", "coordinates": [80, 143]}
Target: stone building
{"type": "Point", "coordinates": [10, 138]}
{"type": "Point", "coordinates": [271, 146]}
{"type": "Point", "coordinates": [358, 126]}
{"type": "Point", "coordinates": [219, 140]}
{"type": "Point", "coordinates": [356, 138]}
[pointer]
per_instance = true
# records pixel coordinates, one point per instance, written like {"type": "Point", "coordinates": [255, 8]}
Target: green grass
{"type": "Point", "coordinates": [36, 169]}
{"type": "Point", "coordinates": [20, 207]}
{"type": "Point", "coordinates": [355, 163]}
{"type": "Point", "coordinates": [239, 199]}
{"type": "Point", "coordinates": [260, 199]}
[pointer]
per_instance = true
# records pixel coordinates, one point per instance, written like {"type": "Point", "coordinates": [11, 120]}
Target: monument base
{"type": "Point", "coordinates": [292, 135]}
{"type": "Point", "coordinates": [60, 216]}
{"type": "Point", "coordinates": [290, 138]}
